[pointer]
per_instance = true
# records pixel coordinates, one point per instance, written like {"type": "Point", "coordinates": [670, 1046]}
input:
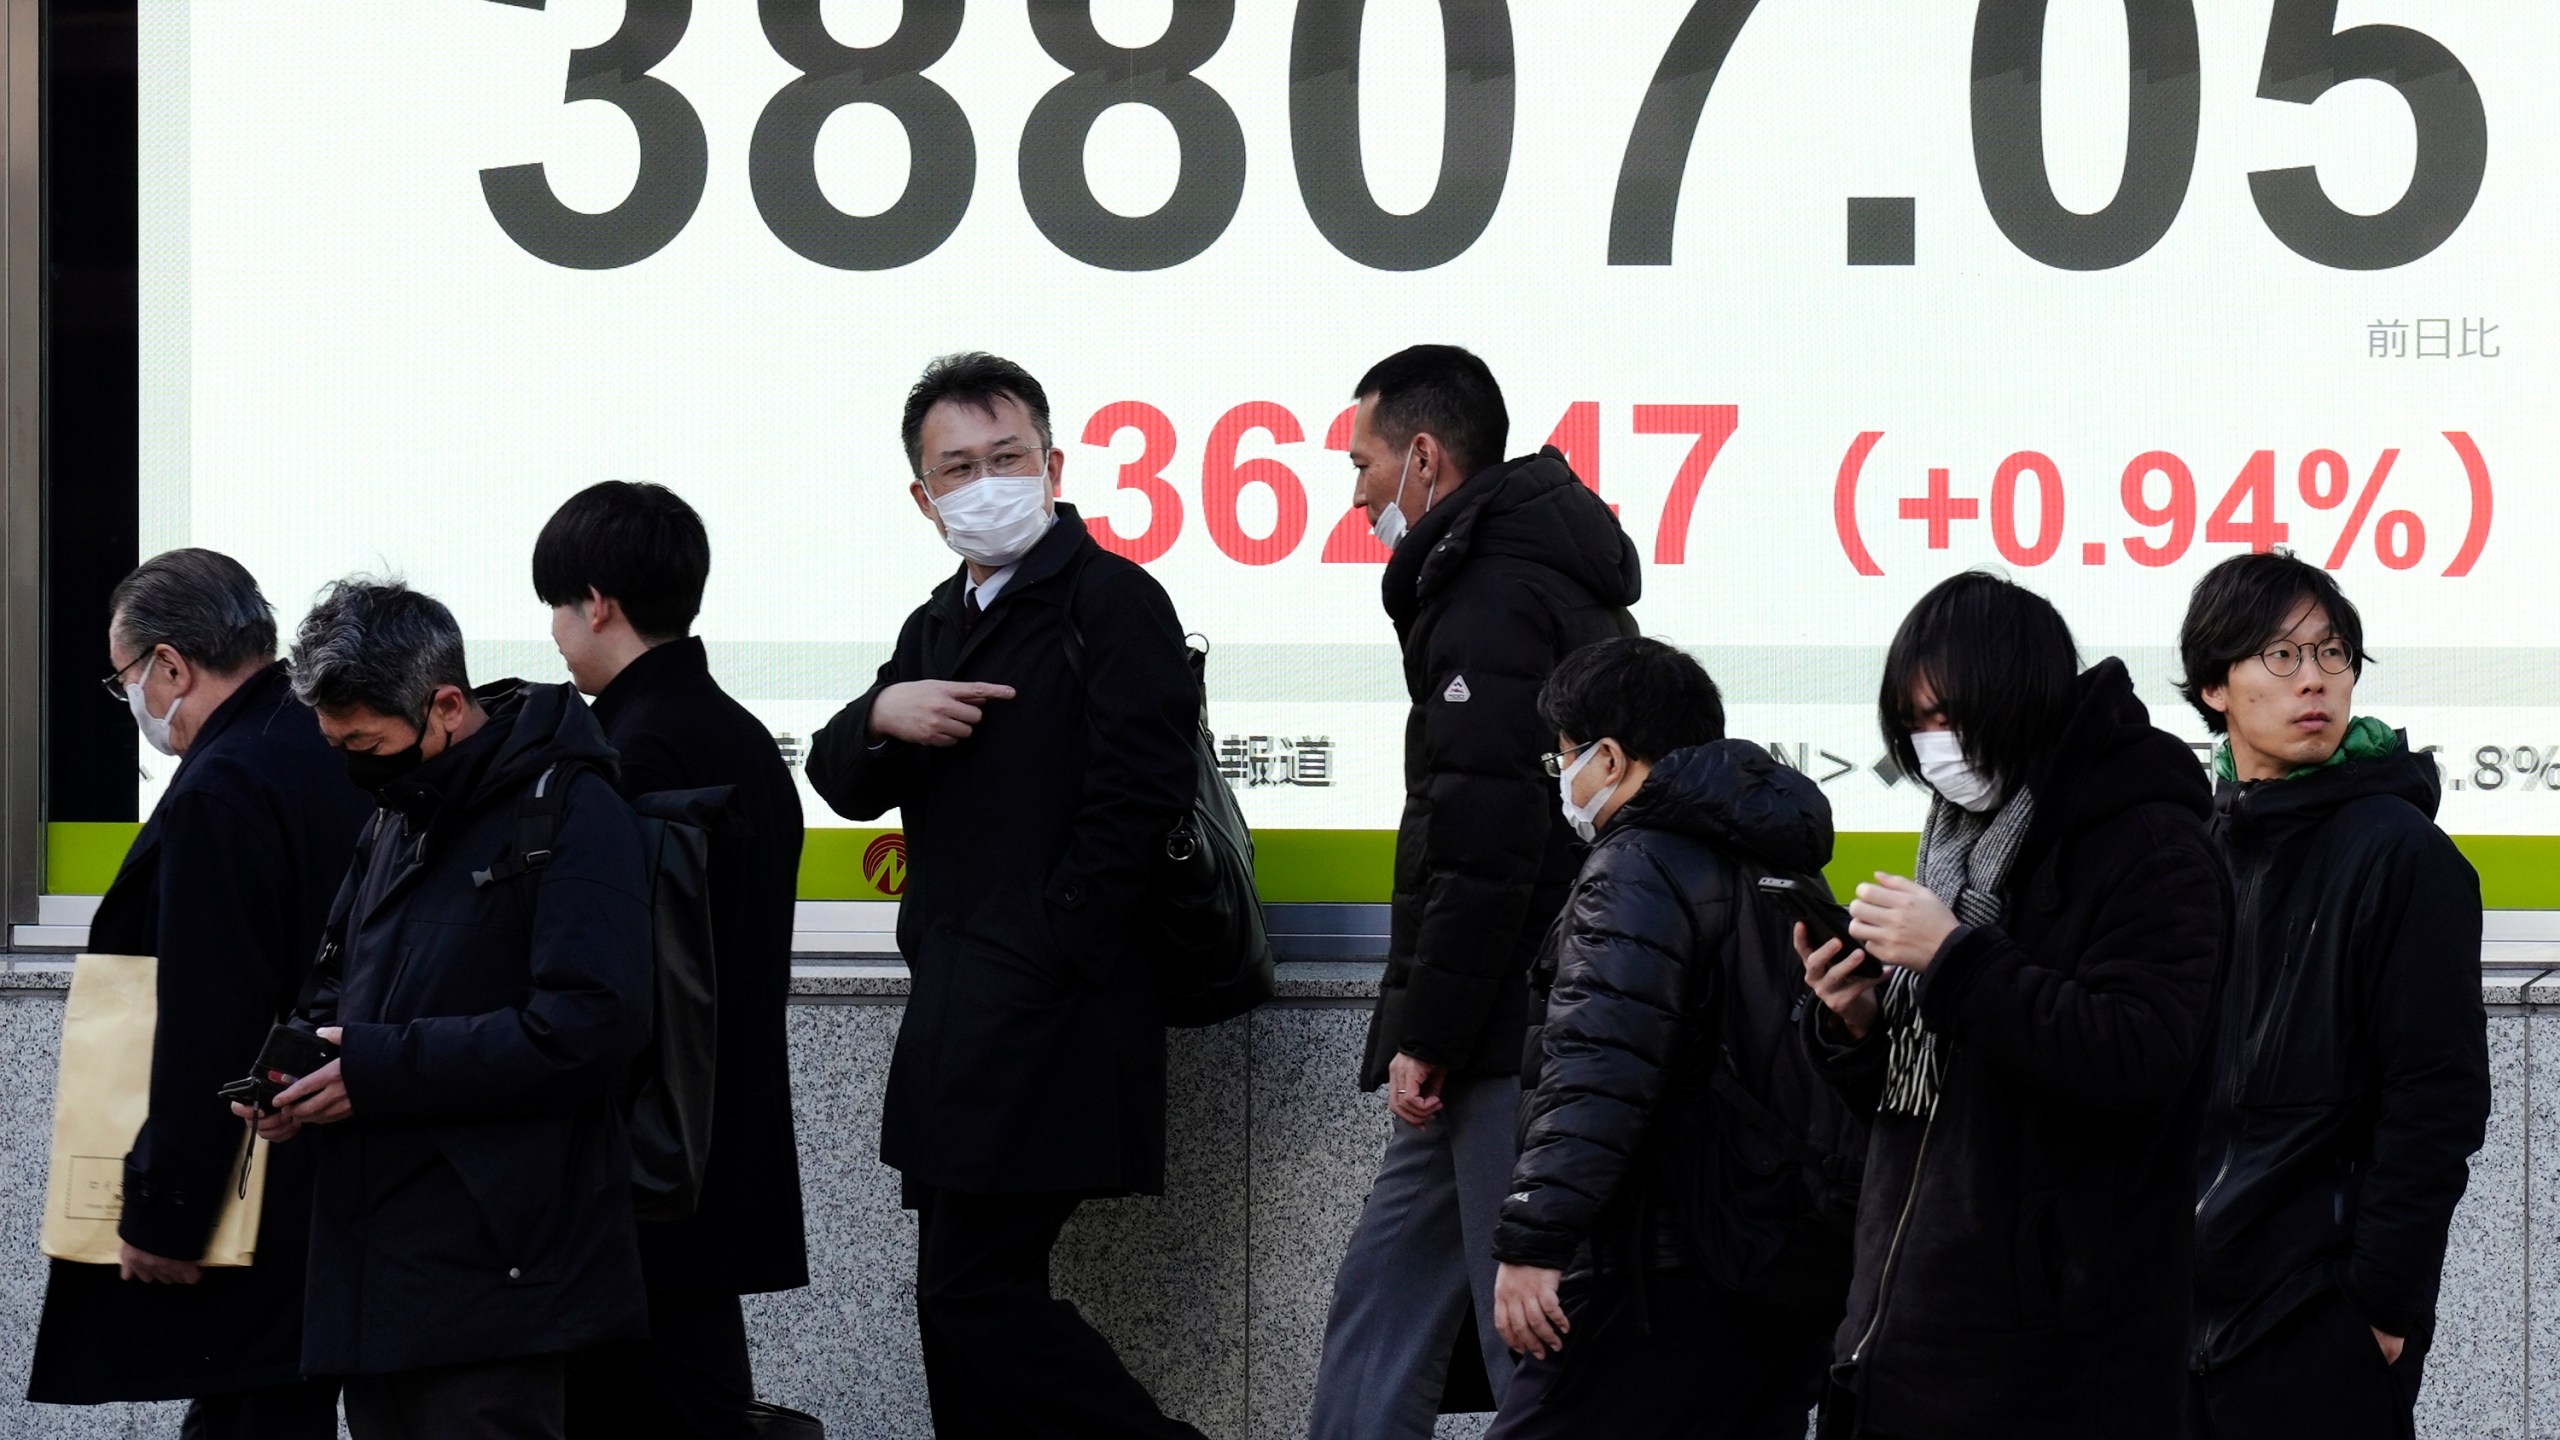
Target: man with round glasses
{"type": "Point", "coordinates": [2353, 1081]}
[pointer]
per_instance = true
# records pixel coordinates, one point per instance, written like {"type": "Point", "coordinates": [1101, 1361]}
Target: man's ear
{"type": "Point", "coordinates": [182, 675]}
{"type": "Point", "coordinates": [1057, 472]}
{"type": "Point", "coordinates": [2216, 697]}
{"type": "Point", "coordinates": [924, 502]}
{"type": "Point", "coordinates": [598, 610]}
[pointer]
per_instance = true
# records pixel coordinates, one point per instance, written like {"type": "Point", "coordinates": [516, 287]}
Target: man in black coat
{"type": "Point", "coordinates": [472, 1224]}
{"type": "Point", "coordinates": [1499, 571]}
{"type": "Point", "coordinates": [1035, 730]}
{"type": "Point", "coordinates": [1605, 1290]}
{"type": "Point", "coordinates": [2036, 1072]}
{"type": "Point", "coordinates": [622, 567]}
{"type": "Point", "coordinates": [2353, 1066]}
{"type": "Point", "coordinates": [229, 885]}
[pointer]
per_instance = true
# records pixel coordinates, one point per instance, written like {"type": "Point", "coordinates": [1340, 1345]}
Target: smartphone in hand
{"type": "Point", "coordinates": [1824, 918]}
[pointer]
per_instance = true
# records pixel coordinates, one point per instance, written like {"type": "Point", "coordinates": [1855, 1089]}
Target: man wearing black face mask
{"type": "Point", "coordinates": [472, 1222]}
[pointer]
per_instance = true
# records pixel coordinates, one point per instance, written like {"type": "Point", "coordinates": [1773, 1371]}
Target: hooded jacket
{"type": "Point", "coordinates": [1488, 591]}
{"type": "Point", "coordinates": [2023, 1255]}
{"type": "Point", "coordinates": [476, 1205]}
{"type": "Point", "coordinates": [1630, 978]}
{"type": "Point", "coordinates": [2353, 1064]}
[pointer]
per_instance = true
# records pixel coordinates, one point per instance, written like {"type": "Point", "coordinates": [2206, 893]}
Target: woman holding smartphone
{"type": "Point", "coordinates": [2030, 1050]}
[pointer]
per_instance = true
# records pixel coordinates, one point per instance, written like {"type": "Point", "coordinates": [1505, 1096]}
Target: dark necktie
{"type": "Point", "coordinates": [970, 614]}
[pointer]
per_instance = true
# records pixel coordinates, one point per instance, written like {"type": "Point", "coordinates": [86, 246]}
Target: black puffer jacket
{"type": "Point", "coordinates": [1520, 568]}
{"type": "Point", "coordinates": [2023, 1256]}
{"type": "Point", "coordinates": [477, 1204]}
{"type": "Point", "coordinates": [2353, 1062]}
{"type": "Point", "coordinates": [1630, 974]}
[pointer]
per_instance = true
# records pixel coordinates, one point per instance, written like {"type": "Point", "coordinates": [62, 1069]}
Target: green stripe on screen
{"type": "Point", "coordinates": [1342, 867]}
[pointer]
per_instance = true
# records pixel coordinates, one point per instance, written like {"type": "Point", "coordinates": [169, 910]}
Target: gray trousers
{"type": "Point", "coordinates": [1422, 1253]}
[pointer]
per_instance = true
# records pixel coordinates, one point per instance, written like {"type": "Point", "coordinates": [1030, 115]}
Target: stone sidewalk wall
{"type": "Point", "coordinates": [1216, 1292]}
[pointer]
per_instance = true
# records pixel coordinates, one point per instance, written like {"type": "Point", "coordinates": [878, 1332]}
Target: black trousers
{"type": "Point", "coordinates": [1003, 1358]}
{"type": "Point", "coordinates": [516, 1399]}
{"type": "Point", "coordinates": [1692, 1362]}
{"type": "Point", "coordinates": [688, 1381]}
{"type": "Point", "coordinates": [303, 1410]}
{"type": "Point", "coordinates": [2319, 1372]}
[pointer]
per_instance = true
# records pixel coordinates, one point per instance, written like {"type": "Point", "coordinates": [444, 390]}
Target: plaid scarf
{"type": "Point", "coordinates": [1964, 860]}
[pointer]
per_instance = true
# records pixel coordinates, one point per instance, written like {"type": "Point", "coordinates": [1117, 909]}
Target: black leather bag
{"type": "Point", "coordinates": [666, 1103]}
{"type": "Point", "coordinates": [777, 1422]}
{"type": "Point", "coordinates": [1204, 927]}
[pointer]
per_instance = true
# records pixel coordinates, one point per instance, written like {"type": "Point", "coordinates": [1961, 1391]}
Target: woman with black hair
{"type": "Point", "coordinates": [2030, 1046]}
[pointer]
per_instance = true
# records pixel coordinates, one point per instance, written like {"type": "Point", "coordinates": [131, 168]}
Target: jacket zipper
{"type": "Point", "coordinates": [1901, 1223]}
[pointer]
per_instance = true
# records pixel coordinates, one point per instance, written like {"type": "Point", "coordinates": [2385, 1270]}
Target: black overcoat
{"type": "Point", "coordinates": [1031, 1055]}
{"type": "Point", "coordinates": [1521, 567]}
{"type": "Point", "coordinates": [2353, 1065]}
{"type": "Point", "coordinates": [477, 1204]}
{"type": "Point", "coordinates": [676, 729]}
{"type": "Point", "coordinates": [229, 884]}
{"type": "Point", "coordinates": [2024, 1256]}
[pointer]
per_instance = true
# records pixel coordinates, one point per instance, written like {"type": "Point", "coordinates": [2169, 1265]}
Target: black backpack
{"type": "Point", "coordinates": [1774, 1155]}
{"type": "Point", "coordinates": [666, 1101]}
{"type": "Point", "coordinates": [1203, 924]}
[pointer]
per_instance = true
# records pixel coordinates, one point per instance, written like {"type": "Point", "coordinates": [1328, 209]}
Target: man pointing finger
{"type": "Point", "coordinates": [1034, 730]}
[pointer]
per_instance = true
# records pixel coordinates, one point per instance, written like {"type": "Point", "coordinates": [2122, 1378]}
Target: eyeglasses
{"type": "Point", "coordinates": [2335, 657]}
{"type": "Point", "coordinates": [115, 683]}
{"type": "Point", "coordinates": [1558, 760]}
{"type": "Point", "coordinates": [1010, 461]}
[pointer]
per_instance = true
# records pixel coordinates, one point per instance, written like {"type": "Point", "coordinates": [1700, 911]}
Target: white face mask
{"type": "Point", "coordinates": [1943, 765]}
{"type": "Point", "coordinates": [1390, 524]}
{"type": "Point", "coordinates": [155, 728]}
{"type": "Point", "coordinates": [1583, 818]}
{"type": "Point", "coordinates": [996, 519]}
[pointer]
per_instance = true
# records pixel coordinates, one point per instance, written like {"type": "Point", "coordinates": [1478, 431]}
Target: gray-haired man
{"type": "Point", "coordinates": [472, 1222]}
{"type": "Point", "coordinates": [228, 885]}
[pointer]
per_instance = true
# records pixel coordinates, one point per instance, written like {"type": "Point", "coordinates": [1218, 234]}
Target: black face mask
{"type": "Point", "coordinates": [371, 771]}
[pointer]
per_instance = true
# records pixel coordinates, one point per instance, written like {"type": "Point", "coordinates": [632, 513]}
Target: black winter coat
{"type": "Point", "coordinates": [1518, 569]}
{"type": "Point", "coordinates": [676, 729]}
{"type": "Point", "coordinates": [229, 885]}
{"type": "Point", "coordinates": [1629, 984]}
{"type": "Point", "coordinates": [1031, 1055]}
{"type": "Point", "coordinates": [477, 1204]}
{"type": "Point", "coordinates": [2023, 1257]}
{"type": "Point", "coordinates": [2353, 1061]}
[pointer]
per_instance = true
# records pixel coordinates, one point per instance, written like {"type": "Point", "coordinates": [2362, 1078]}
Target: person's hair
{"type": "Point", "coordinates": [1442, 391]}
{"type": "Point", "coordinates": [1649, 697]}
{"type": "Point", "coordinates": [377, 644]}
{"type": "Point", "coordinates": [2242, 606]}
{"type": "Point", "coordinates": [978, 380]}
{"type": "Point", "coordinates": [639, 545]}
{"type": "Point", "coordinates": [201, 603]}
{"type": "Point", "coordinates": [2000, 661]}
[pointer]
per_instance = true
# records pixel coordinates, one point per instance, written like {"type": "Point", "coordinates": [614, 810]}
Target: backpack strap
{"type": "Point", "coordinates": [537, 821]}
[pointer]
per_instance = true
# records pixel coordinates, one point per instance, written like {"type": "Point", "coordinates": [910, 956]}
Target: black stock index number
{"type": "Point", "coordinates": [674, 156]}
{"type": "Point", "coordinates": [2306, 57]}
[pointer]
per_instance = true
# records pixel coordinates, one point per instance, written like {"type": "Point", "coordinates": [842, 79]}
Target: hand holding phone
{"type": "Point", "coordinates": [1824, 919]}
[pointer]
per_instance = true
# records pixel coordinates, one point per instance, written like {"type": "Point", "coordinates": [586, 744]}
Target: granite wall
{"type": "Point", "coordinates": [1216, 1292]}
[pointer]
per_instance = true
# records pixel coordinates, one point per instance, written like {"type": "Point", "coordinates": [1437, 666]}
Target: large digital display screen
{"type": "Point", "coordinates": [1830, 298]}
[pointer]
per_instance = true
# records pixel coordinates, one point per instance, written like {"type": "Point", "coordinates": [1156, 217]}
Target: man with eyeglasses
{"type": "Point", "coordinates": [2352, 1049]}
{"type": "Point", "coordinates": [1034, 729]}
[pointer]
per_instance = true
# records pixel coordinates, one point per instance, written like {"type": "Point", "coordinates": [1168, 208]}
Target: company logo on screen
{"type": "Point", "coordinates": [884, 864]}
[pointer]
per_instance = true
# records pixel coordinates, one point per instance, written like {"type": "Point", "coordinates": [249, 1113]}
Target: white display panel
{"type": "Point", "coordinates": [366, 345]}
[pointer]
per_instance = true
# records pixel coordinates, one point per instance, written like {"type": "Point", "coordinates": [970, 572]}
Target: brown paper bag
{"type": "Point", "coordinates": [99, 1103]}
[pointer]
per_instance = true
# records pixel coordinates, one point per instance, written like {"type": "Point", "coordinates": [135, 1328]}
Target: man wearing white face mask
{"type": "Point", "coordinates": [1034, 730]}
{"type": "Point", "coordinates": [2031, 1069]}
{"type": "Point", "coordinates": [1499, 570]}
{"type": "Point", "coordinates": [229, 885]}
